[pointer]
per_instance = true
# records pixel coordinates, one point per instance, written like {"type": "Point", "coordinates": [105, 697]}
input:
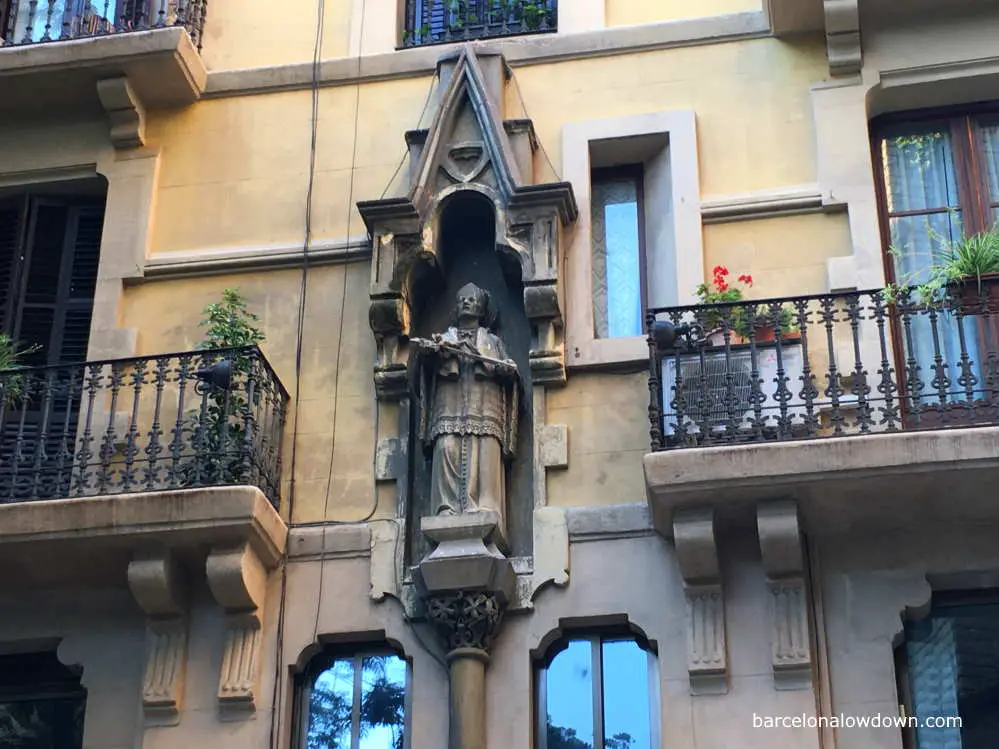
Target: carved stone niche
{"type": "Point", "coordinates": [470, 147]}
{"type": "Point", "coordinates": [474, 211]}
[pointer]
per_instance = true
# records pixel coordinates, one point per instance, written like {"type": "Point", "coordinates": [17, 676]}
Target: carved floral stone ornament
{"type": "Point", "coordinates": [466, 620]}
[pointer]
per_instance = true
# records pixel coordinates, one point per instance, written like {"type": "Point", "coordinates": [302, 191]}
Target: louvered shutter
{"type": "Point", "coordinates": [11, 213]}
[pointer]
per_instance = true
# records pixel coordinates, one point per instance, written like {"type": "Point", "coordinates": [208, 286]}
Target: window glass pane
{"type": "Point", "coordinates": [383, 702]}
{"type": "Point", "coordinates": [570, 698]}
{"type": "Point", "coordinates": [919, 170]}
{"type": "Point", "coordinates": [617, 277]}
{"type": "Point", "coordinates": [953, 661]}
{"type": "Point", "coordinates": [331, 707]}
{"type": "Point", "coordinates": [42, 704]}
{"type": "Point", "coordinates": [990, 155]}
{"type": "Point", "coordinates": [626, 696]}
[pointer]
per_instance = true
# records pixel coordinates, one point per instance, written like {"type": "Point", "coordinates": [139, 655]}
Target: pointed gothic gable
{"type": "Point", "coordinates": [470, 145]}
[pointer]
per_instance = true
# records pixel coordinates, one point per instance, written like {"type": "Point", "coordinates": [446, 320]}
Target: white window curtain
{"type": "Point", "coordinates": [921, 184]}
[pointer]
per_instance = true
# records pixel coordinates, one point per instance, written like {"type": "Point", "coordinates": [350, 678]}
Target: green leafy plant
{"type": "Point", "coordinates": [11, 359]}
{"type": "Point", "coordinates": [955, 262]}
{"type": "Point", "coordinates": [219, 432]}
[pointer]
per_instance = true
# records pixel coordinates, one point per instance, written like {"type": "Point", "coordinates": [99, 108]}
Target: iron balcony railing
{"type": "Point", "coordinates": [827, 365]}
{"type": "Point", "coordinates": [443, 21]}
{"type": "Point", "coordinates": [31, 21]}
{"type": "Point", "coordinates": [175, 421]}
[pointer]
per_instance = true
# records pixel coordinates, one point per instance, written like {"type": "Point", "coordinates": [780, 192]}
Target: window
{"type": "Point", "coordinates": [950, 669]}
{"type": "Point", "coordinates": [350, 700]}
{"type": "Point", "coordinates": [638, 242]}
{"type": "Point", "coordinates": [598, 692]}
{"type": "Point", "coordinates": [42, 702]}
{"type": "Point", "coordinates": [617, 232]}
{"type": "Point", "coordinates": [938, 179]}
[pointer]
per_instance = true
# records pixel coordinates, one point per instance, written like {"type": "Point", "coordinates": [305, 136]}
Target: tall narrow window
{"type": "Point", "coordinates": [354, 701]}
{"type": "Point", "coordinates": [42, 703]}
{"type": "Point", "coordinates": [950, 674]}
{"type": "Point", "coordinates": [597, 692]}
{"type": "Point", "coordinates": [617, 228]}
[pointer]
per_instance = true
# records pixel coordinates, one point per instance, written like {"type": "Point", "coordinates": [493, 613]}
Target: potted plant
{"type": "Point", "coordinates": [11, 357]}
{"type": "Point", "coordinates": [220, 434]}
{"type": "Point", "coordinates": [744, 321]}
{"type": "Point", "coordinates": [965, 270]}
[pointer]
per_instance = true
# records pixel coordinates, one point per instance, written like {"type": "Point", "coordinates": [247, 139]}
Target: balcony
{"type": "Point", "coordinates": [892, 403]}
{"type": "Point", "coordinates": [444, 21]}
{"type": "Point", "coordinates": [100, 461]}
{"type": "Point", "coordinates": [53, 53]}
{"type": "Point", "coordinates": [176, 421]}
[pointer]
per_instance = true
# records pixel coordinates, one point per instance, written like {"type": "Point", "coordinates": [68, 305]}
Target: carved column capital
{"type": "Point", "coordinates": [238, 581]}
{"type": "Point", "coordinates": [466, 620]}
{"type": "Point", "coordinates": [784, 563]}
{"type": "Point", "coordinates": [697, 553]}
{"type": "Point", "coordinates": [157, 585]}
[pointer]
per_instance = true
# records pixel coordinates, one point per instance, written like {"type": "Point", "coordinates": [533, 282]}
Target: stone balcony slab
{"type": "Point", "coordinates": [59, 78]}
{"type": "Point", "coordinates": [90, 541]}
{"type": "Point", "coordinates": [878, 482]}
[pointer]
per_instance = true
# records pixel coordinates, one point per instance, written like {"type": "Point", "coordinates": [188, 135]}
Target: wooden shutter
{"type": "Point", "coordinates": [11, 224]}
{"type": "Point", "coordinates": [60, 271]}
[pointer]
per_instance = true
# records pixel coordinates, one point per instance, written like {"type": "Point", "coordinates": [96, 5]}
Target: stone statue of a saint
{"type": "Point", "coordinates": [468, 392]}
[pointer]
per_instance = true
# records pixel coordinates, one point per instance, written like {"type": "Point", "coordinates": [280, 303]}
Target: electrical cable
{"type": "Point", "coordinates": [426, 103]}
{"type": "Point", "coordinates": [299, 345]}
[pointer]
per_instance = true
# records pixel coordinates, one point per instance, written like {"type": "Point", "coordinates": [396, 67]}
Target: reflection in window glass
{"type": "Point", "coordinates": [358, 701]}
{"type": "Point", "coordinates": [626, 698]}
{"type": "Point", "coordinates": [570, 698]}
{"type": "Point", "coordinates": [617, 264]}
{"type": "Point", "coordinates": [953, 670]}
{"type": "Point", "coordinates": [596, 696]}
{"type": "Point", "coordinates": [42, 703]}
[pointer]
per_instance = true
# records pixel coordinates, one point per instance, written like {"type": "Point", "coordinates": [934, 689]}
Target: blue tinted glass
{"type": "Point", "coordinates": [383, 702]}
{"type": "Point", "coordinates": [624, 300]}
{"type": "Point", "coordinates": [626, 696]}
{"type": "Point", "coordinates": [331, 707]}
{"type": "Point", "coordinates": [570, 698]}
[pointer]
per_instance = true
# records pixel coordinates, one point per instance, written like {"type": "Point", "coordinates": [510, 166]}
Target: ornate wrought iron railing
{"type": "Point", "coordinates": [31, 21]}
{"type": "Point", "coordinates": [175, 421]}
{"type": "Point", "coordinates": [443, 21]}
{"type": "Point", "coordinates": [827, 365]}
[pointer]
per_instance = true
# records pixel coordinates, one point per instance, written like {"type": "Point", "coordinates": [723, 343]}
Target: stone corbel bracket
{"type": "Point", "coordinates": [238, 581]}
{"type": "Point", "coordinates": [157, 586]}
{"type": "Point", "coordinates": [843, 36]}
{"type": "Point", "coordinates": [126, 114]}
{"type": "Point", "coordinates": [784, 563]}
{"type": "Point", "coordinates": [697, 553]}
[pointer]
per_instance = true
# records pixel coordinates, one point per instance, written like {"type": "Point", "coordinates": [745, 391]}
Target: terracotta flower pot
{"type": "Point", "coordinates": [979, 297]}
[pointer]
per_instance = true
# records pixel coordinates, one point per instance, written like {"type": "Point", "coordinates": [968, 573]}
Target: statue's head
{"type": "Point", "coordinates": [473, 304]}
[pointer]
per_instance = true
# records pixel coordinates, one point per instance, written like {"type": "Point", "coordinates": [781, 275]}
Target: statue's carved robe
{"type": "Point", "coordinates": [468, 418]}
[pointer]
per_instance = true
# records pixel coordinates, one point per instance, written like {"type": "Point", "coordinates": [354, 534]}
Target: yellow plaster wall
{"type": "Point", "coordinates": [608, 420]}
{"type": "Point", "coordinates": [235, 170]}
{"type": "Point", "coordinates": [338, 352]}
{"type": "Point", "coordinates": [245, 35]}
{"type": "Point", "coordinates": [754, 121]}
{"type": "Point", "coordinates": [786, 256]}
{"type": "Point", "coordinates": [240, 164]}
{"type": "Point", "coordinates": [629, 12]}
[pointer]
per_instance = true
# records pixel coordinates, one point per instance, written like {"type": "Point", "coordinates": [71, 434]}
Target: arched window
{"type": "Point", "coordinates": [598, 690]}
{"type": "Point", "coordinates": [354, 699]}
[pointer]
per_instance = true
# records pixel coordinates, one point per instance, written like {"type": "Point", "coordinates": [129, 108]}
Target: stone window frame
{"type": "Point", "coordinates": [597, 630]}
{"type": "Point", "coordinates": [666, 142]}
{"type": "Point", "coordinates": [354, 650]}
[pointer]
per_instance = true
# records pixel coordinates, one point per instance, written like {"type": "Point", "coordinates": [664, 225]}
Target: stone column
{"type": "Point", "coordinates": [466, 583]}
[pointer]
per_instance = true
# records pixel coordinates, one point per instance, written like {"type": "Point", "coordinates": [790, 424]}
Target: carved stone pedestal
{"type": "Point", "coordinates": [467, 584]}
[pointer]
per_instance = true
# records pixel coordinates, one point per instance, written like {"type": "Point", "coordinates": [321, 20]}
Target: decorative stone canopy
{"type": "Point", "coordinates": [470, 146]}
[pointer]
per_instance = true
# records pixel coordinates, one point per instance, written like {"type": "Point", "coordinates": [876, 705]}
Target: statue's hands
{"type": "Point", "coordinates": [507, 367]}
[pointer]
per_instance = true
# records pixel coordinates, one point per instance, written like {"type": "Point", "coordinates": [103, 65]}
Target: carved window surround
{"type": "Point", "coordinates": [673, 232]}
